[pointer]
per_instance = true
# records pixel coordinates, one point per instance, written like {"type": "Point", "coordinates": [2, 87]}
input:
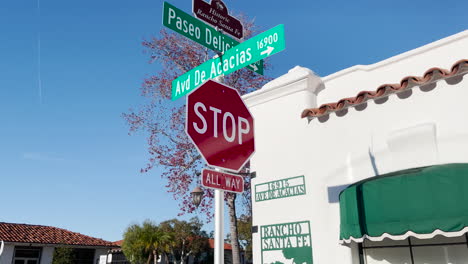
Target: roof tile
{"type": "Point", "coordinates": [431, 75]}
{"type": "Point", "coordinates": [226, 245]}
{"type": "Point", "coordinates": [25, 233]}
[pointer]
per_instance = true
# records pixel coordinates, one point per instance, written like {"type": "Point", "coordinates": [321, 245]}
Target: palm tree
{"type": "Point", "coordinates": [145, 242]}
{"type": "Point", "coordinates": [156, 241]}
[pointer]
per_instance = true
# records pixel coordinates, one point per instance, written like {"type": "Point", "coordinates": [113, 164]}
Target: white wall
{"type": "Point", "coordinates": [9, 251]}
{"type": "Point", "coordinates": [98, 253]}
{"type": "Point", "coordinates": [279, 134]}
{"type": "Point", "coordinates": [422, 127]}
{"type": "Point", "coordinates": [7, 254]}
{"type": "Point", "coordinates": [47, 255]}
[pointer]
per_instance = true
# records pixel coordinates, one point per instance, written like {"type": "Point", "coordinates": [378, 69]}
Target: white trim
{"type": "Point", "coordinates": [402, 56]}
{"type": "Point", "coordinates": [405, 236]}
{"type": "Point", "coordinates": [298, 79]}
{"type": "Point", "coordinates": [388, 93]}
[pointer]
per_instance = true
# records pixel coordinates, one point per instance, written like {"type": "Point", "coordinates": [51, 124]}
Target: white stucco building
{"type": "Point", "coordinates": [395, 148]}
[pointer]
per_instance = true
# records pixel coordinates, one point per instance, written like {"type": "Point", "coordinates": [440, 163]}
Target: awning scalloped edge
{"type": "Point", "coordinates": [405, 236]}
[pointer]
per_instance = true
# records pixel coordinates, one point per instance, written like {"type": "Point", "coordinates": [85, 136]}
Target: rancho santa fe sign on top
{"type": "Point", "coordinates": [216, 14]}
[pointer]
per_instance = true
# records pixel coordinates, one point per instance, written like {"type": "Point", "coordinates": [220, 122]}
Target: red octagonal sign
{"type": "Point", "coordinates": [220, 125]}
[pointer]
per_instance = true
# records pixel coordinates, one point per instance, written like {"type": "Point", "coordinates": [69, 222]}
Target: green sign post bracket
{"type": "Point", "coordinates": [198, 31]}
{"type": "Point", "coordinates": [259, 47]}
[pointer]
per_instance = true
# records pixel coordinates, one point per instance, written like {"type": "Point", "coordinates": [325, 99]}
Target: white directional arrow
{"type": "Point", "coordinates": [244, 54]}
{"type": "Point", "coordinates": [255, 68]}
{"type": "Point", "coordinates": [268, 51]}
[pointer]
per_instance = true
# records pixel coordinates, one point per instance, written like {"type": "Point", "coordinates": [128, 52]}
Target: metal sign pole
{"type": "Point", "coordinates": [219, 216]}
{"type": "Point", "coordinates": [219, 224]}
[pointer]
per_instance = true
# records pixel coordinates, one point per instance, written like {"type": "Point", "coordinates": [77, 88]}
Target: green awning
{"type": "Point", "coordinates": [420, 201]}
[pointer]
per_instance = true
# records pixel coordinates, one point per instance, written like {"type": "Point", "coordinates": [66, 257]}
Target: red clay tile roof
{"type": "Point", "coordinates": [24, 233]}
{"type": "Point", "coordinates": [409, 82]}
{"type": "Point", "coordinates": [226, 245]}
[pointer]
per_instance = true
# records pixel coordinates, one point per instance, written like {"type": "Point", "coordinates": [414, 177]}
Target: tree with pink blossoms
{"type": "Point", "coordinates": [163, 121]}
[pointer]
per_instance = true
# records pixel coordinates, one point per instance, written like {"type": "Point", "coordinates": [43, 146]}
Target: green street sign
{"type": "Point", "coordinates": [259, 47]}
{"type": "Point", "coordinates": [279, 189]}
{"type": "Point", "coordinates": [203, 34]}
{"type": "Point", "coordinates": [286, 243]}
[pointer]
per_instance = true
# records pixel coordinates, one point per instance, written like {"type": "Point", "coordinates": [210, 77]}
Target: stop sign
{"type": "Point", "coordinates": [220, 125]}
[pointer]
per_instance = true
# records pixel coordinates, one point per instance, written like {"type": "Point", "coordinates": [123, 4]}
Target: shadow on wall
{"type": "Point", "coordinates": [334, 193]}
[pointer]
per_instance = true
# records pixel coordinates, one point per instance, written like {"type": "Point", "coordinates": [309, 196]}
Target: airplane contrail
{"type": "Point", "coordinates": [39, 81]}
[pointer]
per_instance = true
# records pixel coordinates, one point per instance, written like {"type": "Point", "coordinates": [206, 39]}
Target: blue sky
{"type": "Point", "coordinates": [65, 157]}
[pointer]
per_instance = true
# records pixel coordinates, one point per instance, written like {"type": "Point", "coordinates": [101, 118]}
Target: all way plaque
{"type": "Point", "coordinates": [222, 181]}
